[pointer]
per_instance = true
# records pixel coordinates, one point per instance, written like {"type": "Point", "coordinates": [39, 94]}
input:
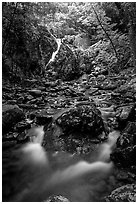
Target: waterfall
{"type": "Point", "coordinates": [59, 42]}
{"type": "Point", "coordinates": [40, 180]}
{"type": "Point", "coordinates": [55, 53]}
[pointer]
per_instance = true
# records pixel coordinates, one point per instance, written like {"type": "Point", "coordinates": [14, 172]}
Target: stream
{"type": "Point", "coordinates": [80, 181]}
{"type": "Point", "coordinates": [74, 165]}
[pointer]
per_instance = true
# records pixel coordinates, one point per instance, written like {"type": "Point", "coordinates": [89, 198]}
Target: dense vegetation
{"type": "Point", "coordinates": [69, 85]}
{"type": "Point", "coordinates": [30, 29]}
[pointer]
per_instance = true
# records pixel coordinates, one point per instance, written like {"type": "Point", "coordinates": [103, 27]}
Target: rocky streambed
{"type": "Point", "coordinates": [77, 117]}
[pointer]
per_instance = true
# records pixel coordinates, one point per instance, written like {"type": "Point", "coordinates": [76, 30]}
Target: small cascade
{"type": "Point", "coordinates": [55, 53]}
{"type": "Point", "coordinates": [59, 42]}
{"type": "Point", "coordinates": [46, 181]}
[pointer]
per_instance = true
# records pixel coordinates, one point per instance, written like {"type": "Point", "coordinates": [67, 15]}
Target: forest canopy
{"type": "Point", "coordinates": [105, 30]}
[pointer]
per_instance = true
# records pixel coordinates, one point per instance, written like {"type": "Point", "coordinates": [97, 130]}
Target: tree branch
{"type": "Point", "coordinates": [105, 32]}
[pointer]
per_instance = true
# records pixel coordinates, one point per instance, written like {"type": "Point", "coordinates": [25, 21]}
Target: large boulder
{"type": "Point", "coordinates": [11, 115]}
{"type": "Point", "coordinates": [65, 64]}
{"type": "Point", "coordinates": [126, 193]}
{"type": "Point", "coordinates": [76, 129]}
{"type": "Point", "coordinates": [127, 113]}
{"type": "Point", "coordinates": [85, 119]}
{"type": "Point", "coordinates": [125, 153]}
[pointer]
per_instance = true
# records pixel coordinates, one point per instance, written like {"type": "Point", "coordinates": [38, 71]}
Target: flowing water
{"type": "Point", "coordinates": [31, 176]}
{"type": "Point", "coordinates": [55, 53]}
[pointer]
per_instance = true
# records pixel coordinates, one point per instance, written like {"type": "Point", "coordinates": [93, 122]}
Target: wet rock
{"type": "Point", "coordinates": [29, 82]}
{"type": "Point", "coordinates": [128, 113]}
{"type": "Point", "coordinates": [128, 136]}
{"type": "Point", "coordinates": [12, 102]}
{"type": "Point", "coordinates": [28, 106]}
{"type": "Point", "coordinates": [8, 107]}
{"type": "Point", "coordinates": [124, 176]}
{"type": "Point", "coordinates": [43, 119]}
{"type": "Point", "coordinates": [100, 71]}
{"type": "Point", "coordinates": [23, 138]}
{"type": "Point", "coordinates": [127, 90]}
{"type": "Point", "coordinates": [124, 157]}
{"type": "Point", "coordinates": [10, 136]}
{"type": "Point", "coordinates": [84, 77]}
{"type": "Point", "coordinates": [58, 198]}
{"type": "Point", "coordinates": [32, 101]}
{"type": "Point", "coordinates": [126, 193]}
{"type": "Point", "coordinates": [42, 88]}
{"type": "Point", "coordinates": [108, 87]}
{"type": "Point", "coordinates": [21, 126]}
{"type": "Point", "coordinates": [50, 84]}
{"type": "Point", "coordinates": [6, 89]}
{"type": "Point", "coordinates": [8, 144]}
{"type": "Point", "coordinates": [10, 116]}
{"type": "Point", "coordinates": [92, 91]}
{"type": "Point", "coordinates": [104, 72]}
{"type": "Point", "coordinates": [35, 92]}
{"type": "Point", "coordinates": [65, 64]}
{"type": "Point", "coordinates": [125, 153]}
{"type": "Point", "coordinates": [70, 92]}
{"type": "Point", "coordinates": [101, 77]}
{"type": "Point", "coordinates": [20, 99]}
{"type": "Point", "coordinates": [29, 98]}
{"type": "Point", "coordinates": [84, 118]}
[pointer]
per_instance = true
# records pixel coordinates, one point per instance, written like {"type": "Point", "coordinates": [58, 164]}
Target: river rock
{"type": "Point", "coordinates": [58, 198]}
{"type": "Point", "coordinates": [126, 193]}
{"type": "Point", "coordinates": [124, 157]}
{"type": "Point", "coordinates": [35, 92]}
{"type": "Point", "coordinates": [101, 77]}
{"type": "Point", "coordinates": [125, 153]}
{"type": "Point", "coordinates": [21, 126]}
{"type": "Point", "coordinates": [12, 102]}
{"type": "Point", "coordinates": [29, 82]}
{"type": "Point", "coordinates": [43, 118]}
{"type": "Point", "coordinates": [104, 72]}
{"type": "Point", "coordinates": [92, 91]}
{"type": "Point", "coordinates": [11, 115]}
{"type": "Point", "coordinates": [84, 118]}
{"type": "Point", "coordinates": [50, 84]}
{"type": "Point", "coordinates": [127, 90]}
{"type": "Point", "coordinates": [27, 106]}
{"type": "Point", "coordinates": [20, 99]}
{"type": "Point", "coordinates": [128, 113]}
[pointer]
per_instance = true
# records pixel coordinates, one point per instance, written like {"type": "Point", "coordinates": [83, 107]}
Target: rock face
{"type": "Point", "coordinates": [128, 113]}
{"type": "Point", "coordinates": [85, 118]}
{"type": "Point", "coordinates": [65, 64]}
{"type": "Point", "coordinates": [125, 153]}
{"type": "Point", "coordinates": [11, 115]}
{"type": "Point", "coordinates": [125, 193]}
{"type": "Point", "coordinates": [42, 49]}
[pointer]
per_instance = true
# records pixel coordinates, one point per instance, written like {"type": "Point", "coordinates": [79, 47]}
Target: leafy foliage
{"type": "Point", "coordinates": [101, 32]}
{"type": "Point", "coordinates": [24, 39]}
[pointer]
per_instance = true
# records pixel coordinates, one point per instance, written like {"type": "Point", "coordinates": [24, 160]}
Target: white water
{"type": "Point", "coordinates": [41, 180]}
{"type": "Point", "coordinates": [56, 52]}
{"type": "Point", "coordinates": [107, 147]}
